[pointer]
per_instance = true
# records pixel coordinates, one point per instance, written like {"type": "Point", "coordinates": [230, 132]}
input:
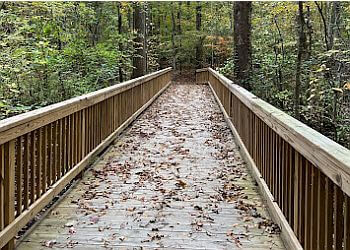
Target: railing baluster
{"type": "Point", "coordinates": [9, 187]}
{"type": "Point", "coordinates": [338, 217]}
{"type": "Point", "coordinates": [19, 175]}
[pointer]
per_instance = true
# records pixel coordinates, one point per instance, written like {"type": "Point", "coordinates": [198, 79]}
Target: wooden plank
{"type": "Point", "coordinates": [296, 183]}
{"type": "Point", "coordinates": [347, 224]}
{"type": "Point", "coordinates": [321, 212]}
{"type": "Point", "coordinates": [329, 214]}
{"type": "Point", "coordinates": [64, 146]}
{"type": "Point", "coordinates": [2, 186]}
{"type": "Point", "coordinates": [19, 176]}
{"type": "Point", "coordinates": [39, 161]}
{"type": "Point", "coordinates": [49, 155]}
{"type": "Point", "coordinates": [83, 133]}
{"type": "Point", "coordinates": [54, 152]}
{"type": "Point", "coordinates": [302, 200]}
{"type": "Point", "coordinates": [26, 165]}
{"type": "Point", "coordinates": [68, 141]}
{"type": "Point", "coordinates": [13, 127]}
{"type": "Point", "coordinates": [338, 217]}
{"type": "Point", "coordinates": [307, 206]}
{"type": "Point", "coordinates": [9, 190]}
{"type": "Point", "coordinates": [314, 206]}
{"type": "Point", "coordinates": [32, 165]}
{"type": "Point", "coordinates": [72, 140]}
{"type": "Point", "coordinates": [292, 182]}
{"type": "Point", "coordinates": [44, 159]}
{"type": "Point", "coordinates": [59, 149]}
{"type": "Point", "coordinates": [27, 215]}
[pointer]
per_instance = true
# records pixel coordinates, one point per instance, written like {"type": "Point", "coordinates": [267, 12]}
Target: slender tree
{"type": "Point", "coordinates": [242, 43]}
{"type": "Point", "coordinates": [301, 51]}
{"type": "Point", "coordinates": [139, 54]}
{"type": "Point", "coordinates": [120, 22]}
{"type": "Point", "coordinates": [199, 45]}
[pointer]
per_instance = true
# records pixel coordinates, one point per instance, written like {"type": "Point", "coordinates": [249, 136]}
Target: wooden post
{"type": "Point", "coordinates": [9, 188]}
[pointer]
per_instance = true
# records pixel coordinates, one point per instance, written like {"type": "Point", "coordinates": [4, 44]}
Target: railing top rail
{"type": "Point", "coordinates": [26, 122]}
{"type": "Point", "coordinates": [330, 157]}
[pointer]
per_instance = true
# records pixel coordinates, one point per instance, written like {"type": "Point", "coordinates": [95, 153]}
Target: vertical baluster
{"type": "Point", "coordinates": [338, 217]}
{"type": "Point", "coordinates": [64, 146]}
{"type": "Point", "coordinates": [39, 161]}
{"type": "Point", "coordinates": [321, 212]}
{"type": "Point", "coordinates": [292, 168]}
{"type": "Point", "coordinates": [68, 141]}
{"type": "Point", "coordinates": [72, 136]}
{"type": "Point", "coordinates": [32, 166]}
{"type": "Point", "coordinates": [49, 154]}
{"type": "Point", "coordinates": [54, 152]}
{"type": "Point", "coordinates": [347, 223]}
{"type": "Point", "coordinates": [302, 187]}
{"type": "Point", "coordinates": [307, 223]}
{"type": "Point", "coordinates": [314, 206]}
{"type": "Point", "coordinates": [9, 187]}
{"type": "Point", "coordinates": [295, 197]}
{"type": "Point", "coordinates": [2, 186]}
{"type": "Point", "coordinates": [26, 161]}
{"type": "Point", "coordinates": [44, 159]}
{"type": "Point", "coordinates": [83, 133]}
{"type": "Point", "coordinates": [19, 175]}
{"type": "Point", "coordinates": [59, 149]}
{"type": "Point", "coordinates": [76, 131]}
{"type": "Point", "coordinates": [329, 214]}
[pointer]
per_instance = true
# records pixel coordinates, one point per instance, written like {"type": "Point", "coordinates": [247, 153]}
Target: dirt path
{"type": "Point", "coordinates": [174, 179]}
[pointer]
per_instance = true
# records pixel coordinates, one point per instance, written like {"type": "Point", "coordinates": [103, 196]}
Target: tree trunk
{"type": "Point", "coordinates": [334, 23]}
{"type": "Point", "coordinates": [138, 58]}
{"type": "Point", "coordinates": [173, 35]}
{"type": "Point", "coordinates": [199, 49]}
{"type": "Point", "coordinates": [145, 35]}
{"type": "Point", "coordinates": [301, 50]}
{"type": "Point", "coordinates": [242, 43]}
{"type": "Point", "coordinates": [120, 70]}
{"type": "Point", "coordinates": [130, 21]}
{"type": "Point", "coordinates": [179, 30]}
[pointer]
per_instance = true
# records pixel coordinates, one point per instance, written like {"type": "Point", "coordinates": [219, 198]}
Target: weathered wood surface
{"type": "Point", "coordinates": [330, 157]}
{"type": "Point", "coordinates": [174, 179]}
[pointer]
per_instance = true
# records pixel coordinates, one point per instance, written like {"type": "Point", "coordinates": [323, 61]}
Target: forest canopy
{"type": "Point", "coordinates": [300, 55]}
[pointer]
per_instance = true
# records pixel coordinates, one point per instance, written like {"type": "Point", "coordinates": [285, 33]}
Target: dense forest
{"type": "Point", "coordinates": [295, 55]}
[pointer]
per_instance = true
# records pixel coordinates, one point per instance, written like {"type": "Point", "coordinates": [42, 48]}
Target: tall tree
{"type": "Point", "coordinates": [199, 45]}
{"type": "Point", "coordinates": [242, 43]}
{"type": "Point", "coordinates": [301, 51]}
{"type": "Point", "coordinates": [173, 33]}
{"type": "Point", "coordinates": [120, 46]}
{"type": "Point", "coordinates": [139, 54]}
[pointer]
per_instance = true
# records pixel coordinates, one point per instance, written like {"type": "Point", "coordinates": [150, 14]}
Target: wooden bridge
{"type": "Point", "coordinates": [206, 166]}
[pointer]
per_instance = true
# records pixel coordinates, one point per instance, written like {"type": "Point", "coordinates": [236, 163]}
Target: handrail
{"type": "Point", "coordinates": [44, 150]}
{"type": "Point", "coordinates": [303, 175]}
{"type": "Point", "coordinates": [332, 158]}
{"type": "Point", "coordinates": [67, 107]}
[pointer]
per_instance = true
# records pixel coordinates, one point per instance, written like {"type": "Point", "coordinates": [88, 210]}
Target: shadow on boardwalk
{"type": "Point", "coordinates": [174, 179]}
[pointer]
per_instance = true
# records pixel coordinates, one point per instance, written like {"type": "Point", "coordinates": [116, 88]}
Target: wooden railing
{"type": "Point", "coordinates": [303, 175]}
{"type": "Point", "coordinates": [44, 150]}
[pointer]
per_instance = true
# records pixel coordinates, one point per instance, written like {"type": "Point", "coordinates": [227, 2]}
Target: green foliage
{"type": "Point", "coordinates": [51, 51]}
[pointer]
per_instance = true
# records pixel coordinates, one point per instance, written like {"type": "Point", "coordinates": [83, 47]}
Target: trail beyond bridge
{"type": "Point", "coordinates": [152, 163]}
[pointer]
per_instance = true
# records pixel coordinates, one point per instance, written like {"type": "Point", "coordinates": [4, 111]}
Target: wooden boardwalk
{"type": "Point", "coordinates": [174, 179]}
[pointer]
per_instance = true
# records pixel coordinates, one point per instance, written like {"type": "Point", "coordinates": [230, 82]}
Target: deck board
{"type": "Point", "coordinates": [173, 179]}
